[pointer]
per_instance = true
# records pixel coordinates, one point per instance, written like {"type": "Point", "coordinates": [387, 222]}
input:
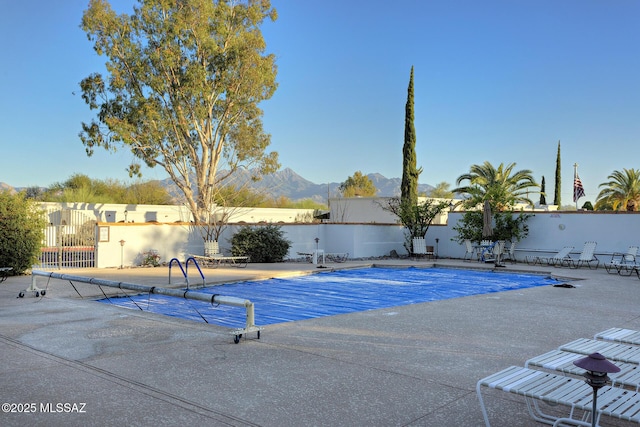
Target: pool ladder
{"type": "Point", "coordinates": [185, 270]}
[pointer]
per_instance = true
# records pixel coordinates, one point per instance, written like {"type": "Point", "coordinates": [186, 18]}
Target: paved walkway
{"type": "Point", "coordinates": [83, 363]}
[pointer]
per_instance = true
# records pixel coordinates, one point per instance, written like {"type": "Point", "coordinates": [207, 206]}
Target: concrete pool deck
{"type": "Point", "coordinates": [414, 365]}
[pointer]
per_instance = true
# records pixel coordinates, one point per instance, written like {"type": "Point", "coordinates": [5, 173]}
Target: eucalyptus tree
{"type": "Point", "coordinates": [622, 192]}
{"type": "Point", "coordinates": [358, 185]}
{"type": "Point", "coordinates": [81, 188]}
{"type": "Point", "coordinates": [441, 191]}
{"type": "Point", "coordinates": [502, 186]}
{"type": "Point", "coordinates": [184, 81]}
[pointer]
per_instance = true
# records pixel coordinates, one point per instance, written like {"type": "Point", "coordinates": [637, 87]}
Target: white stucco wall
{"type": "Point", "coordinates": [370, 210]}
{"type": "Point", "coordinates": [116, 213]}
{"type": "Point", "coordinates": [551, 231]}
{"type": "Point", "coordinates": [548, 231]}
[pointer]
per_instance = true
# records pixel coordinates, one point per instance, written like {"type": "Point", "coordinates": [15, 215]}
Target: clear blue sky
{"type": "Point", "coordinates": [497, 81]}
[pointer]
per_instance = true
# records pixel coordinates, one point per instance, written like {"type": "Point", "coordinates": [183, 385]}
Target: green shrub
{"type": "Point", "coordinates": [21, 232]}
{"type": "Point", "coordinates": [261, 244]}
{"type": "Point", "coordinates": [469, 227]}
{"type": "Point", "coordinates": [506, 226]}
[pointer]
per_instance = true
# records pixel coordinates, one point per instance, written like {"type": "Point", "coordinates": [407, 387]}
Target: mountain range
{"type": "Point", "coordinates": [288, 183]}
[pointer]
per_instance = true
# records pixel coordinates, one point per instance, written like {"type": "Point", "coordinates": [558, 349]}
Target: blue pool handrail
{"type": "Point", "coordinates": [184, 273]}
{"type": "Point", "coordinates": [186, 263]}
{"type": "Point", "coordinates": [185, 270]}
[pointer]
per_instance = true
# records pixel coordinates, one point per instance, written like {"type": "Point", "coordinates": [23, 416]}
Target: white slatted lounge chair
{"type": "Point", "coordinates": [611, 350]}
{"type": "Point", "coordinates": [587, 256]}
{"type": "Point", "coordinates": [337, 256]}
{"type": "Point", "coordinates": [308, 256]}
{"type": "Point", "coordinates": [627, 336]}
{"type": "Point", "coordinates": [215, 258]}
{"type": "Point", "coordinates": [419, 246]}
{"type": "Point", "coordinates": [574, 393]}
{"type": "Point", "coordinates": [562, 258]}
{"type": "Point", "coordinates": [562, 361]}
{"type": "Point", "coordinates": [215, 261]}
{"type": "Point", "coordinates": [533, 259]}
{"type": "Point", "coordinates": [622, 261]}
{"type": "Point", "coordinates": [470, 250]}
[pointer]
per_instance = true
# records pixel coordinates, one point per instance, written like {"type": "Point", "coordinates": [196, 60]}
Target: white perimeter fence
{"type": "Point", "coordinates": [125, 244]}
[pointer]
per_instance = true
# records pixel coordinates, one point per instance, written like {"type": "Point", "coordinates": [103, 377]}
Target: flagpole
{"type": "Point", "coordinates": [575, 174]}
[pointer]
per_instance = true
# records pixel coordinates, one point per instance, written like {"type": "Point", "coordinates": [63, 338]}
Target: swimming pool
{"type": "Point", "coordinates": [331, 293]}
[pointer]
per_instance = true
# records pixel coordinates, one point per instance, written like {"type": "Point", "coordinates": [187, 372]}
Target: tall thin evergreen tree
{"type": "Point", "coordinates": [543, 197]}
{"type": "Point", "coordinates": [556, 198]}
{"type": "Point", "coordinates": [410, 172]}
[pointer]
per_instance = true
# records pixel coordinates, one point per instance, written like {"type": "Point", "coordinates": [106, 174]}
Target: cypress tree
{"type": "Point", "coordinates": [543, 198]}
{"type": "Point", "coordinates": [556, 199]}
{"type": "Point", "coordinates": [410, 173]}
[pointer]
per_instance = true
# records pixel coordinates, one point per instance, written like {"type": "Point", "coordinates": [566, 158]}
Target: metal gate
{"type": "Point", "coordinates": [70, 240]}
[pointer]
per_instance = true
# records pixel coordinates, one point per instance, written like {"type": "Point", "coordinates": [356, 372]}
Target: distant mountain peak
{"type": "Point", "coordinates": [290, 184]}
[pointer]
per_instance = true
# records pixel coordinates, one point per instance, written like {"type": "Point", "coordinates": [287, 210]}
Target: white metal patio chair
{"type": "Point", "coordinates": [510, 254]}
{"type": "Point", "coordinates": [493, 253]}
{"type": "Point", "coordinates": [622, 261]}
{"type": "Point", "coordinates": [470, 250]}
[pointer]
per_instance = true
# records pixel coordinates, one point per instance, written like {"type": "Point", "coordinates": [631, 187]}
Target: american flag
{"type": "Point", "coordinates": [578, 190]}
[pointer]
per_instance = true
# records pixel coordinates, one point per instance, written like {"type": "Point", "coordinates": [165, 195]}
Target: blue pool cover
{"type": "Point", "coordinates": [339, 292]}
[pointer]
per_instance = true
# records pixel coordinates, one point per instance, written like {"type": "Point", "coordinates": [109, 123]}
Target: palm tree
{"type": "Point", "coordinates": [502, 186]}
{"type": "Point", "coordinates": [622, 192]}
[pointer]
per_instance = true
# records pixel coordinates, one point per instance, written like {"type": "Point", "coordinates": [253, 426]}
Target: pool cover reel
{"type": "Point", "coordinates": [177, 293]}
